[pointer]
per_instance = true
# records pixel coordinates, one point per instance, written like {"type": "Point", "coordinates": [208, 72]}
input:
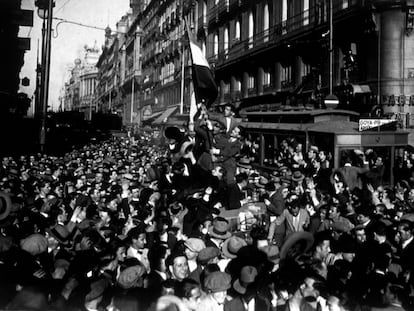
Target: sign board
{"type": "Point", "coordinates": [366, 124]}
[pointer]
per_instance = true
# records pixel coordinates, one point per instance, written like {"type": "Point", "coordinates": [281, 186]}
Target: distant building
{"type": "Point", "coordinates": [79, 91]}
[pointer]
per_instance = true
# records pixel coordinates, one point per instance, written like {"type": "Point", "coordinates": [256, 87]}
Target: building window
{"type": "Point", "coordinates": [251, 82]}
{"type": "Point", "coordinates": [305, 12]}
{"type": "Point", "coordinates": [306, 69]}
{"type": "Point", "coordinates": [286, 78]}
{"type": "Point", "coordinates": [226, 40]}
{"type": "Point", "coordinates": [345, 4]}
{"type": "Point", "coordinates": [216, 45]}
{"type": "Point", "coordinates": [266, 78]}
{"type": "Point", "coordinates": [266, 22]}
{"type": "Point", "coordinates": [284, 16]}
{"type": "Point", "coordinates": [237, 31]}
{"type": "Point", "coordinates": [251, 29]}
{"type": "Point", "coordinates": [237, 85]}
{"type": "Point", "coordinates": [204, 12]}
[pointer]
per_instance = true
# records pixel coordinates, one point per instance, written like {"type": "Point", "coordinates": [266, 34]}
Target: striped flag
{"type": "Point", "coordinates": [205, 88]}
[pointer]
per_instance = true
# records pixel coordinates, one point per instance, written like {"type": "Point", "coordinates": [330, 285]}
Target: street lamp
{"type": "Point", "coordinates": [45, 11]}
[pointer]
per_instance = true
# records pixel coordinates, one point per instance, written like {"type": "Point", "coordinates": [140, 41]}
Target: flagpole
{"type": "Point", "coordinates": [182, 66]}
{"type": "Point", "coordinates": [182, 78]}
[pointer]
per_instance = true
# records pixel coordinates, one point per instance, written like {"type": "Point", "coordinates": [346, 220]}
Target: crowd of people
{"type": "Point", "coordinates": [128, 225]}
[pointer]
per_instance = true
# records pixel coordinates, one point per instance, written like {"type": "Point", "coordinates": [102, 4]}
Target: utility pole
{"type": "Point", "coordinates": [46, 71]}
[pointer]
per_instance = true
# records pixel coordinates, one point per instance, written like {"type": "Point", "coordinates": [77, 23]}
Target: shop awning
{"type": "Point", "coordinates": [361, 88]}
{"type": "Point", "coordinates": [163, 118]}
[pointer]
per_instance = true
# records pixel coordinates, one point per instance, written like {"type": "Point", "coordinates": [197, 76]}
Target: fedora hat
{"type": "Point", "coordinates": [173, 132]}
{"type": "Point", "coordinates": [244, 163]}
{"type": "Point", "coordinates": [248, 275]}
{"type": "Point", "coordinates": [297, 176]}
{"type": "Point", "coordinates": [296, 244]}
{"type": "Point", "coordinates": [232, 245]}
{"type": "Point", "coordinates": [5, 205]}
{"type": "Point", "coordinates": [220, 228]}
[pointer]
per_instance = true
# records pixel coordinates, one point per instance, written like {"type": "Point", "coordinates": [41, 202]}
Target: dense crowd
{"type": "Point", "coordinates": [128, 225]}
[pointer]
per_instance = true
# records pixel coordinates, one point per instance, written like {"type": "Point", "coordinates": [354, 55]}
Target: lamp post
{"type": "Point", "coordinates": [45, 12]}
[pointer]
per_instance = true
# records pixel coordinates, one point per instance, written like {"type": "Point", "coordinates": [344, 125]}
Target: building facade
{"type": "Point", "coordinates": [79, 90]}
{"type": "Point", "coordinates": [276, 53]}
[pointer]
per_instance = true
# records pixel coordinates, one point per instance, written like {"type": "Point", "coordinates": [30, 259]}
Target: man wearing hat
{"type": "Point", "coordinates": [193, 246]}
{"type": "Point", "coordinates": [216, 285]}
{"type": "Point", "coordinates": [218, 232]}
{"type": "Point", "coordinates": [247, 296]}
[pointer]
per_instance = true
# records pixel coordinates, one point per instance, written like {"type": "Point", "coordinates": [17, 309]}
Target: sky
{"type": "Point", "coordinates": [68, 41]}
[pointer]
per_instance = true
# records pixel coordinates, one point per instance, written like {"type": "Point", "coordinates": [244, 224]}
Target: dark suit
{"type": "Point", "coordinates": [154, 281]}
{"type": "Point", "coordinates": [234, 195]}
{"type": "Point", "coordinates": [227, 157]}
{"type": "Point", "coordinates": [275, 209]}
{"type": "Point", "coordinates": [406, 258]}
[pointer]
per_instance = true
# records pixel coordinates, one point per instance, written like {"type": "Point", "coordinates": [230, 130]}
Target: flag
{"type": "Point", "coordinates": [205, 87]}
{"type": "Point", "coordinates": [193, 108]}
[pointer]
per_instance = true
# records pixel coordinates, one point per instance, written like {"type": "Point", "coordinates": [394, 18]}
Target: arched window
{"type": "Point", "coordinates": [251, 29]}
{"type": "Point", "coordinates": [266, 22]}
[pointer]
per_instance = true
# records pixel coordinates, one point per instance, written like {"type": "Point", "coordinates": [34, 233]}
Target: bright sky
{"type": "Point", "coordinates": [70, 40]}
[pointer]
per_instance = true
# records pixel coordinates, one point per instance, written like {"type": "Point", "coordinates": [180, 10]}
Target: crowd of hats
{"type": "Point", "coordinates": [69, 225]}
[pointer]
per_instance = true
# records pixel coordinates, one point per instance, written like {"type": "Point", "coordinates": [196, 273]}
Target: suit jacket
{"type": "Point", "coordinates": [154, 281]}
{"type": "Point", "coordinates": [304, 220]}
{"type": "Point", "coordinates": [406, 257]}
{"type": "Point", "coordinates": [234, 195]}
{"type": "Point", "coordinates": [229, 150]}
{"type": "Point", "coordinates": [277, 204]}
